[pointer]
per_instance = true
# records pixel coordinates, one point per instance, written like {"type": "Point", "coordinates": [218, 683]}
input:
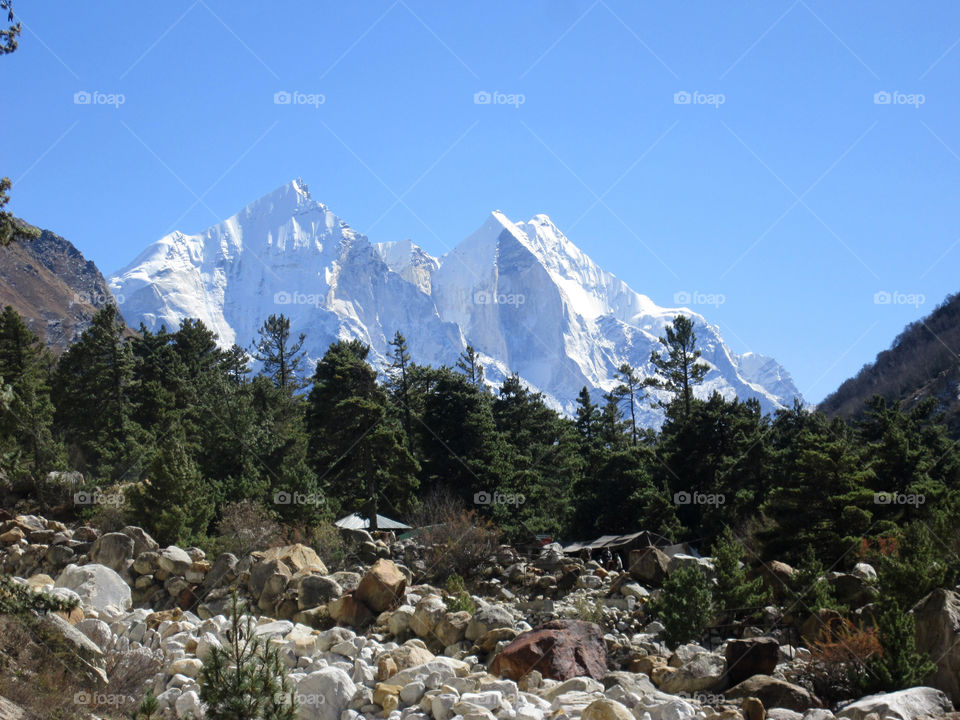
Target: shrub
{"type": "Point", "coordinates": [898, 665]}
{"type": "Point", "coordinates": [246, 680]}
{"type": "Point", "coordinates": [733, 593]}
{"type": "Point", "coordinates": [458, 542]}
{"type": "Point", "coordinates": [686, 606]}
{"type": "Point", "coordinates": [458, 597]}
{"type": "Point", "coordinates": [589, 611]}
{"type": "Point", "coordinates": [840, 659]}
{"type": "Point", "coordinates": [246, 526]}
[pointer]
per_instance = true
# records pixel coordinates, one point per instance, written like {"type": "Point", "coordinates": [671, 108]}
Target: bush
{"type": "Point", "coordinates": [458, 597]}
{"type": "Point", "coordinates": [459, 542]}
{"type": "Point", "coordinates": [246, 680]}
{"type": "Point", "coordinates": [686, 606]}
{"type": "Point", "coordinates": [246, 526]}
{"type": "Point", "coordinates": [898, 665]}
{"type": "Point", "coordinates": [589, 612]}
{"type": "Point", "coordinates": [733, 594]}
{"type": "Point", "coordinates": [840, 660]}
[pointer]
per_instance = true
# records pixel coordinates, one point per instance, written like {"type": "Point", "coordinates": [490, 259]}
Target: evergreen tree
{"type": "Point", "coordinates": [282, 358]}
{"type": "Point", "coordinates": [586, 418]}
{"type": "Point", "coordinates": [686, 606]}
{"type": "Point", "coordinates": [355, 443]}
{"type": "Point", "coordinates": [399, 383]}
{"type": "Point", "coordinates": [97, 371]}
{"type": "Point", "coordinates": [679, 368]}
{"type": "Point", "coordinates": [809, 589]}
{"type": "Point", "coordinates": [733, 593]}
{"type": "Point", "coordinates": [629, 388]}
{"type": "Point", "coordinates": [26, 413]}
{"type": "Point", "coordinates": [918, 566]}
{"type": "Point", "coordinates": [898, 666]}
{"type": "Point", "coordinates": [469, 364]}
{"type": "Point", "coordinates": [246, 679]}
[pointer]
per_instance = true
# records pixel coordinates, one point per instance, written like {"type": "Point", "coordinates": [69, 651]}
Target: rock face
{"type": "Point", "coordinates": [938, 634]}
{"type": "Point", "coordinates": [559, 649]}
{"type": "Point", "coordinates": [775, 693]}
{"type": "Point", "coordinates": [382, 586]}
{"type": "Point", "coordinates": [754, 656]}
{"type": "Point", "coordinates": [97, 586]}
{"type": "Point", "coordinates": [917, 702]}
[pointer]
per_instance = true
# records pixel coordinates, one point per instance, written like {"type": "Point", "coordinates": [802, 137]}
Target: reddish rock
{"type": "Point", "coordinates": [382, 587]}
{"type": "Point", "coordinates": [559, 649]}
{"type": "Point", "coordinates": [749, 657]}
{"type": "Point", "coordinates": [347, 610]}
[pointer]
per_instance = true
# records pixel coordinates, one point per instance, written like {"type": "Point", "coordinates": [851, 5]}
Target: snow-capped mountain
{"type": "Point", "coordinates": [522, 294]}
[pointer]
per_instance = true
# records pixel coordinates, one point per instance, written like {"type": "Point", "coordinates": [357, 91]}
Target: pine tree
{"type": "Point", "coordinates": [809, 589]}
{"type": "Point", "coordinates": [469, 364]}
{"type": "Point", "coordinates": [399, 383]}
{"type": "Point", "coordinates": [282, 359]}
{"type": "Point", "coordinates": [629, 387]}
{"type": "Point", "coordinates": [246, 679]}
{"type": "Point", "coordinates": [686, 606]}
{"type": "Point", "coordinates": [679, 368]}
{"type": "Point", "coordinates": [586, 418]}
{"type": "Point", "coordinates": [733, 593]}
{"type": "Point", "coordinates": [899, 665]}
{"type": "Point", "coordinates": [918, 566]}
{"type": "Point", "coordinates": [356, 445]}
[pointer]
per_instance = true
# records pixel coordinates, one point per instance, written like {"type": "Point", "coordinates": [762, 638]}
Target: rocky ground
{"type": "Point", "coordinates": [548, 637]}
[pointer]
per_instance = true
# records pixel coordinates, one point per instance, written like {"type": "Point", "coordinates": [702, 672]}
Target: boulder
{"type": "Point", "coordinates": [72, 647]}
{"type": "Point", "coordinates": [703, 672]}
{"type": "Point", "coordinates": [937, 633]}
{"type": "Point", "coordinates": [97, 585]}
{"type": "Point", "coordinates": [223, 566]}
{"type": "Point", "coordinates": [267, 572]}
{"type": "Point", "coordinates": [774, 693]}
{"type": "Point", "coordinates": [649, 565]}
{"type": "Point", "coordinates": [486, 619]}
{"type": "Point", "coordinates": [406, 656]}
{"type": "Point", "coordinates": [753, 656]}
{"type": "Point", "coordinates": [313, 590]}
{"type": "Point", "coordinates": [113, 550]}
{"type": "Point", "coordinates": [324, 694]}
{"type": "Point", "coordinates": [297, 557]}
{"type": "Point", "coordinates": [907, 704]}
{"type": "Point", "coordinates": [865, 572]}
{"type": "Point", "coordinates": [605, 709]}
{"type": "Point", "coordinates": [441, 667]}
{"type": "Point", "coordinates": [147, 562]}
{"type": "Point", "coordinates": [347, 610]}
{"type": "Point", "coordinates": [452, 628]}
{"type": "Point", "coordinates": [142, 542]}
{"type": "Point", "coordinates": [559, 649]}
{"type": "Point", "coordinates": [174, 560]}
{"type": "Point", "coordinates": [430, 611]}
{"type": "Point", "coordinates": [382, 586]}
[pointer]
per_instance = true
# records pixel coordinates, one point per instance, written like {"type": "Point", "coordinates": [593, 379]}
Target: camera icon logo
{"type": "Point", "coordinates": [681, 298]}
{"type": "Point", "coordinates": [881, 297]}
{"type": "Point", "coordinates": [282, 497]}
{"type": "Point", "coordinates": [481, 297]}
{"type": "Point", "coordinates": [82, 97]}
{"type": "Point", "coordinates": [682, 98]}
{"type": "Point", "coordinates": [281, 97]}
{"type": "Point", "coordinates": [682, 498]}
{"type": "Point", "coordinates": [282, 298]}
{"type": "Point", "coordinates": [482, 498]}
{"type": "Point", "coordinates": [482, 98]}
{"type": "Point", "coordinates": [882, 98]}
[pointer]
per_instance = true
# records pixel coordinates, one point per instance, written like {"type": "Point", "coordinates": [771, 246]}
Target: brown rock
{"type": "Point", "coordinates": [297, 557]}
{"type": "Point", "coordinates": [938, 634]}
{"type": "Point", "coordinates": [775, 693]}
{"type": "Point", "coordinates": [754, 656]}
{"type": "Point", "coordinates": [382, 587]}
{"type": "Point", "coordinates": [559, 649]}
{"type": "Point", "coordinates": [753, 709]}
{"type": "Point", "coordinates": [347, 610]}
{"type": "Point", "coordinates": [649, 566]}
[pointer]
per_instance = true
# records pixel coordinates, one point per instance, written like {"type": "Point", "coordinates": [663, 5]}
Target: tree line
{"type": "Point", "coordinates": [183, 428]}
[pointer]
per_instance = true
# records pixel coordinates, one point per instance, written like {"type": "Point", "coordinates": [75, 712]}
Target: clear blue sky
{"type": "Point", "coordinates": [796, 199]}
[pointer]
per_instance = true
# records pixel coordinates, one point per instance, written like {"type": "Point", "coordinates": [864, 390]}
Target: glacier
{"type": "Point", "coordinates": [521, 293]}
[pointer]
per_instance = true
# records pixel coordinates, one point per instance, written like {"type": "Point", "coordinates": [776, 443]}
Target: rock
{"type": "Point", "coordinates": [113, 550]}
{"type": "Point", "coordinates": [400, 619]}
{"type": "Point", "coordinates": [680, 560]}
{"type": "Point", "coordinates": [97, 585]}
{"type": "Point", "coordinates": [630, 681]}
{"type": "Point", "coordinates": [937, 633]}
{"type": "Point", "coordinates": [297, 557]}
{"type": "Point", "coordinates": [703, 672]}
{"type": "Point", "coordinates": [97, 631]}
{"type": "Point", "coordinates": [188, 705]}
{"type": "Point", "coordinates": [273, 572]}
{"type": "Point", "coordinates": [852, 590]}
{"type": "Point", "coordinates": [223, 567]}
{"type": "Point", "coordinates": [649, 566]}
{"type": "Point", "coordinates": [487, 619]}
{"type": "Point", "coordinates": [174, 560]}
{"type": "Point", "coordinates": [387, 697]}
{"type": "Point", "coordinates": [347, 610]}
{"type": "Point", "coordinates": [605, 709]}
{"type": "Point", "coordinates": [147, 562]}
{"type": "Point", "coordinates": [783, 714]}
{"type": "Point", "coordinates": [72, 647]}
{"type": "Point", "coordinates": [634, 590]}
{"type": "Point", "coordinates": [346, 579]}
{"type": "Point", "coordinates": [324, 694]}
{"type": "Point", "coordinates": [576, 684]}
{"type": "Point", "coordinates": [773, 692]}
{"type": "Point", "coordinates": [754, 656]}
{"type": "Point", "coordinates": [818, 714]}
{"type": "Point", "coordinates": [753, 709]}
{"type": "Point", "coordinates": [865, 572]}
{"type": "Point", "coordinates": [185, 666]}
{"type": "Point", "coordinates": [11, 711]}
{"type": "Point", "coordinates": [142, 542]}
{"type": "Point", "coordinates": [907, 704]}
{"type": "Point", "coordinates": [440, 668]}
{"type": "Point", "coordinates": [382, 586]}
{"type": "Point", "coordinates": [429, 611]}
{"type": "Point", "coordinates": [313, 590]}
{"type": "Point", "coordinates": [452, 629]}
{"type": "Point", "coordinates": [488, 642]}
{"type": "Point", "coordinates": [559, 649]}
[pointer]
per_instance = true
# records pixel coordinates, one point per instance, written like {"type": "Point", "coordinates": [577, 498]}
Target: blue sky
{"type": "Point", "coordinates": [786, 188]}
